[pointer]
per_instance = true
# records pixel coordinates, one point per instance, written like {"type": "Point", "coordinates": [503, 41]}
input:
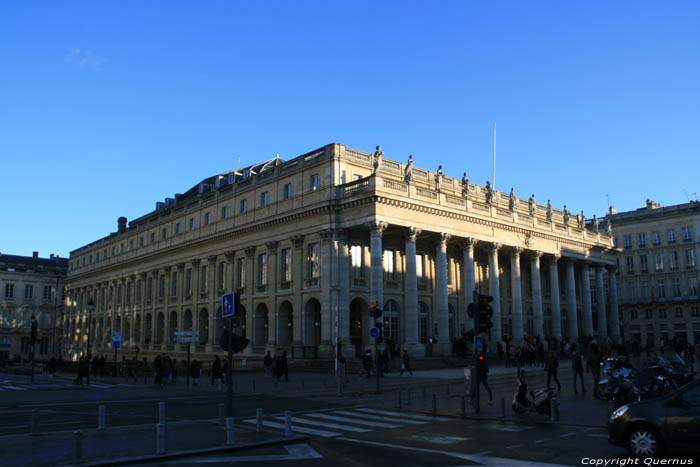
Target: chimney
{"type": "Point", "coordinates": [121, 224]}
{"type": "Point", "coordinates": [35, 255]}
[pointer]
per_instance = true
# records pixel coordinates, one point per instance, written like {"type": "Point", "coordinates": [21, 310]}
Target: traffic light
{"type": "Point", "coordinates": [470, 310]}
{"type": "Point", "coordinates": [376, 314]}
{"type": "Point", "coordinates": [137, 350]}
{"type": "Point", "coordinates": [238, 342]}
{"type": "Point", "coordinates": [485, 313]}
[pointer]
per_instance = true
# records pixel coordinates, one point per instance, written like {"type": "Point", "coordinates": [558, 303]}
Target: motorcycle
{"type": "Point", "coordinates": [540, 401]}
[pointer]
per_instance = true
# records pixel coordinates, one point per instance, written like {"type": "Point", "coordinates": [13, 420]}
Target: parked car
{"type": "Point", "coordinates": [668, 425]}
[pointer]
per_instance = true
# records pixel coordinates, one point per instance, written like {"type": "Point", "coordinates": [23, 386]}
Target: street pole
{"type": "Point", "coordinates": [229, 375]}
{"type": "Point", "coordinates": [189, 344]}
{"type": "Point", "coordinates": [91, 305]}
{"type": "Point", "coordinates": [475, 371]}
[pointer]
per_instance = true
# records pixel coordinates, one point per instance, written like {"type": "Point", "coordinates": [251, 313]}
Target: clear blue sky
{"type": "Point", "coordinates": [108, 107]}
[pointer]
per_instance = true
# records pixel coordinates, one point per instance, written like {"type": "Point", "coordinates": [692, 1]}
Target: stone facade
{"type": "Point", "coordinates": [320, 236]}
{"type": "Point", "coordinates": [28, 285]}
{"type": "Point", "coordinates": [658, 273]}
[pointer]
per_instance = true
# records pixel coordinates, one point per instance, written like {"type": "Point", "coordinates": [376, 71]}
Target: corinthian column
{"type": "Point", "coordinates": [517, 295]}
{"type": "Point", "coordinates": [586, 299]}
{"type": "Point", "coordinates": [556, 301]}
{"type": "Point", "coordinates": [602, 318]}
{"type": "Point", "coordinates": [376, 273]}
{"type": "Point", "coordinates": [441, 290]}
{"type": "Point", "coordinates": [536, 291]}
{"type": "Point", "coordinates": [411, 343]}
{"type": "Point", "coordinates": [344, 295]}
{"type": "Point", "coordinates": [468, 277]}
{"type": "Point", "coordinates": [495, 292]}
{"type": "Point", "coordinates": [614, 314]}
{"type": "Point", "coordinates": [571, 299]}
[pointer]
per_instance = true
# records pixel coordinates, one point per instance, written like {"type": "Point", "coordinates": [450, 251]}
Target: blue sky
{"type": "Point", "coordinates": [108, 107]}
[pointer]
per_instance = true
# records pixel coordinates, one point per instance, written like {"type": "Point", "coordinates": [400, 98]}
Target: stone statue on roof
{"type": "Point", "coordinates": [489, 192]}
{"type": "Point", "coordinates": [581, 220]}
{"type": "Point", "coordinates": [408, 170]}
{"type": "Point", "coordinates": [531, 204]}
{"type": "Point", "coordinates": [608, 225]}
{"type": "Point", "coordinates": [511, 199]}
{"type": "Point", "coordinates": [465, 185]}
{"type": "Point", "coordinates": [596, 223]}
{"type": "Point", "coordinates": [549, 210]}
{"type": "Point", "coordinates": [566, 215]}
{"type": "Point", "coordinates": [377, 158]}
{"type": "Point", "coordinates": [438, 178]}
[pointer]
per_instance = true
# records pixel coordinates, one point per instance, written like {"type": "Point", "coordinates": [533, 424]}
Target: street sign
{"type": "Point", "coordinates": [186, 333]}
{"type": "Point", "coordinates": [227, 305]}
{"type": "Point", "coordinates": [187, 339]}
{"type": "Point", "coordinates": [117, 337]}
{"type": "Point", "coordinates": [374, 333]}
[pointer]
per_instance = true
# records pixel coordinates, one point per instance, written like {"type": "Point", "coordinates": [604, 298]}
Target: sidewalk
{"type": "Point", "coordinates": [130, 444]}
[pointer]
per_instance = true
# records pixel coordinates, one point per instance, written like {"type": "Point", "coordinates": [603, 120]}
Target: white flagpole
{"type": "Point", "coordinates": [493, 180]}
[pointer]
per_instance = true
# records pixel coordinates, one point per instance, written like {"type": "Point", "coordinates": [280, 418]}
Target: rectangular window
{"type": "Point", "coordinates": [177, 228]}
{"type": "Point", "coordinates": [128, 294]}
{"type": "Point", "coordinates": [673, 259]}
{"type": "Point", "coordinates": [131, 247]}
{"type": "Point", "coordinates": [224, 212]}
{"type": "Point", "coordinates": [695, 312]}
{"type": "Point", "coordinates": [630, 292]}
{"type": "Point", "coordinates": [161, 286]}
{"type": "Point", "coordinates": [243, 206]}
{"type": "Point", "coordinates": [288, 191]}
{"type": "Point", "coordinates": [149, 289]}
{"type": "Point", "coordinates": [28, 292]}
{"type": "Point", "coordinates": [643, 265]}
{"type": "Point", "coordinates": [262, 269]}
{"type": "Point", "coordinates": [662, 314]}
{"type": "Point", "coordinates": [312, 270]}
{"type": "Point", "coordinates": [203, 279]}
{"type": "Point", "coordinates": [630, 264]}
{"type": "Point", "coordinates": [191, 223]}
{"type": "Point", "coordinates": [693, 288]}
{"type": "Point", "coordinates": [645, 291]}
{"type": "Point", "coordinates": [671, 235]}
{"type": "Point", "coordinates": [240, 272]}
{"type": "Point", "coordinates": [679, 312]}
{"type": "Point", "coordinates": [356, 259]}
{"type": "Point", "coordinates": [419, 268]}
{"type": "Point", "coordinates": [264, 198]}
{"type": "Point", "coordinates": [207, 218]}
{"type": "Point", "coordinates": [649, 314]}
{"type": "Point", "coordinates": [642, 240]}
{"type": "Point", "coordinates": [47, 292]}
{"type": "Point", "coordinates": [388, 260]}
{"type": "Point", "coordinates": [656, 238]}
{"type": "Point", "coordinates": [97, 254]}
{"type": "Point", "coordinates": [221, 279]}
{"type": "Point", "coordinates": [689, 258]}
{"type": "Point", "coordinates": [660, 289]}
{"type": "Point", "coordinates": [314, 182]}
{"type": "Point", "coordinates": [633, 314]}
{"type": "Point", "coordinates": [164, 234]}
{"type": "Point", "coordinates": [286, 265]}
{"type": "Point", "coordinates": [628, 241]}
{"type": "Point", "coordinates": [173, 284]}
{"type": "Point", "coordinates": [659, 263]}
{"type": "Point", "coordinates": [140, 242]}
{"type": "Point", "coordinates": [687, 236]}
{"type": "Point", "coordinates": [138, 293]}
{"type": "Point", "coordinates": [188, 281]}
{"type": "Point", "coordinates": [676, 288]}
{"type": "Point", "coordinates": [119, 294]}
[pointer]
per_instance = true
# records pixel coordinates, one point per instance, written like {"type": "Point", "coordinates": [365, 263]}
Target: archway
{"type": "Point", "coordinates": [172, 326]}
{"type": "Point", "coordinates": [260, 325]}
{"type": "Point", "coordinates": [160, 328]}
{"type": "Point", "coordinates": [390, 328]}
{"type": "Point", "coordinates": [187, 321]}
{"type": "Point", "coordinates": [285, 324]}
{"type": "Point", "coordinates": [203, 326]}
{"type": "Point", "coordinates": [137, 330]}
{"type": "Point", "coordinates": [358, 309]}
{"type": "Point", "coordinates": [240, 323]}
{"type": "Point", "coordinates": [312, 323]}
{"type": "Point", "coordinates": [148, 332]}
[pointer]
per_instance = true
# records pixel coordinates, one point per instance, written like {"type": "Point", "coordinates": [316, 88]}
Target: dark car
{"type": "Point", "coordinates": [669, 424]}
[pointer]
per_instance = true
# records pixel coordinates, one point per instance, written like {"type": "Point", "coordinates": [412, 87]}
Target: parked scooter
{"type": "Point", "coordinates": [540, 401]}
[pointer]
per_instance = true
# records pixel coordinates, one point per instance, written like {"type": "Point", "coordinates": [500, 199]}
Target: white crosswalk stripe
{"type": "Point", "coordinates": [14, 388]}
{"type": "Point", "coordinates": [298, 429]}
{"type": "Point", "coordinates": [408, 415]}
{"type": "Point", "coordinates": [351, 420]}
{"type": "Point", "coordinates": [337, 426]}
{"type": "Point", "coordinates": [380, 417]}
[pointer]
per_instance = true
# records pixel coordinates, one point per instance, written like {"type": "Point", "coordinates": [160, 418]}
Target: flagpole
{"type": "Point", "coordinates": [493, 180]}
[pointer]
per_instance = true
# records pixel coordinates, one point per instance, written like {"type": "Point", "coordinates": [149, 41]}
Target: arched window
{"type": "Point", "coordinates": [391, 321]}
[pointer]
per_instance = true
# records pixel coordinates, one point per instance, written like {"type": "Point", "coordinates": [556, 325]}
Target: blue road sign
{"type": "Point", "coordinates": [227, 305]}
{"type": "Point", "coordinates": [116, 344]}
{"type": "Point", "coordinates": [374, 333]}
{"type": "Point", "coordinates": [479, 343]}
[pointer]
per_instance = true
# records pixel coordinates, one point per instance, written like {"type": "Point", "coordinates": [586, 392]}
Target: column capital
{"type": "Point", "coordinates": [211, 259]}
{"type": "Point", "coordinates": [516, 251]}
{"type": "Point", "coordinates": [326, 234]}
{"type": "Point", "coordinates": [412, 233]}
{"type": "Point", "coordinates": [230, 255]}
{"type": "Point", "coordinates": [494, 247]}
{"type": "Point", "coordinates": [272, 247]}
{"type": "Point", "coordinates": [298, 241]}
{"type": "Point", "coordinates": [612, 268]}
{"type": "Point", "coordinates": [155, 272]}
{"type": "Point", "coordinates": [143, 275]}
{"type": "Point", "coordinates": [555, 257]}
{"type": "Point", "coordinates": [535, 254]}
{"type": "Point", "coordinates": [167, 269]}
{"type": "Point", "coordinates": [195, 262]}
{"type": "Point", "coordinates": [598, 266]}
{"type": "Point", "coordinates": [442, 238]}
{"type": "Point", "coordinates": [376, 227]}
{"type": "Point", "coordinates": [250, 251]}
{"type": "Point", "coordinates": [469, 242]}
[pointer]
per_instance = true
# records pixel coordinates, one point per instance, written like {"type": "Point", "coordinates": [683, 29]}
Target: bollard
{"type": "Point", "coordinates": [100, 417]}
{"type": "Point", "coordinates": [400, 401]}
{"type": "Point", "coordinates": [259, 419]}
{"type": "Point", "coordinates": [287, 423]}
{"type": "Point", "coordinates": [221, 413]}
{"type": "Point", "coordinates": [229, 431]}
{"type": "Point", "coordinates": [160, 438]}
{"type": "Point", "coordinates": [503, 407]}
{"type": "Point", "coordinates": [425, 395]}
{"type": "Point", "coordinates": [78, 452]}
{"type": "Point", "coordinates": [464, 406]}
{"type": "Point", "coordinates": [34, 427]}
{"type": "Point", "coordinates": [434, 404]}
{"type": "Point", "coordinates": [161, 413]}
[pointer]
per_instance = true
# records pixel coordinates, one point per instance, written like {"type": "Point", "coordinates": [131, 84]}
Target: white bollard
{"type": "Point", "coordinates": [160, 438]}
{"type": "Point", "coordinates": [287, 423]}
{"type": "Point", "coordinates": [161, 413]}
{"type": "Point", "coordinates": [229, 431]}
{"type": "Point", "coordinates": [259, 418]}
{"type": "Point", "coordinates": [100, 417]}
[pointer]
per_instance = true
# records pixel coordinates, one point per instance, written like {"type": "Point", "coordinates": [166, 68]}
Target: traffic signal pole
{"type": "Point", "coordinates": [229, 372]}
{"type": "Point", "coordinates": [475, 372]}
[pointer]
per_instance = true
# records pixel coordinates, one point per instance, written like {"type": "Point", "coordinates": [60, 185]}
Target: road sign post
{"type": "Point", "coordinates": [188, 337]}
{"type": "Point", "coordinates": [230, 303]}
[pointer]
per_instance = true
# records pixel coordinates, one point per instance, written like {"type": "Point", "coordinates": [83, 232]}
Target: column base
{"type": "Point", "coordinates": [442, 349]}
{"type": "Point", "coordinates": [297, 350]}
{"type": "Point", "coordinates": [348, 351]}
{"type": "Point", "coordinates": [326, 350]}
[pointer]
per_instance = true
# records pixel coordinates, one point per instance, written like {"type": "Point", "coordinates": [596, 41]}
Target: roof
{"type": "Point", "coordinates": [22, 263]}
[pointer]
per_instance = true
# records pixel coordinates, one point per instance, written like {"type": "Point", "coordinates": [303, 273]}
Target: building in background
{"type": "Point", "coordinates": [31, 286]}
{"type": "Point", "coordinates": [311, 241]}
{"type": "Point", "coordinates": [658, 273]}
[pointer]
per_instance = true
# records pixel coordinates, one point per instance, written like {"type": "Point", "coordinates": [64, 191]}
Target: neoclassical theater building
{"type": "Point", "coordinates": [310, 242]}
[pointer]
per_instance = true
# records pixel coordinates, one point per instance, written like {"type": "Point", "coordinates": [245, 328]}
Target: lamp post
{"type": "Point", "coordinates": [90, 307]}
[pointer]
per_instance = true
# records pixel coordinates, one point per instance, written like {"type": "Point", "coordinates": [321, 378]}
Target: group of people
{"type": "Point", "coordinates": [276, 366]}
{"type": "Point", "coordinates": [164, 370]}
{"type": "Point", "coordinates": [369, 363]}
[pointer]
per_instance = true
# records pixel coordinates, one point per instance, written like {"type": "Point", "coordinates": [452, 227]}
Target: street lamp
{"type": "Point", "coordinates": [90, 307]}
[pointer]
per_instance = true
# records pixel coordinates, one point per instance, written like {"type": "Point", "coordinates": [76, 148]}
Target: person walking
{"type": "Point", "coordinates": [552, 367]}
{"type": "Point", "coordinates": [577, 366]}
{"type": "Point", "coordinates": [267, 363]}
{"type": "Point", "coordinates": [283, 368]}
{"type": "Point", "coordinates": [342, 370]}
{"type": "Point", "coordinates": [593, 364]}
{"type": "Point", "coordinates": [215, 369]}
{"type": "Point", "coordinates": [406, 364]}
{"type": "Point", "coordinates": [157, 372]}
{"type": "Point", "coordinates": [482, 369]}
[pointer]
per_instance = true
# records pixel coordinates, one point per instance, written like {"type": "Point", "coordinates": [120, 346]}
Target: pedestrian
{"type": "Point", "coordinates": [174, 370]}
{"type": "Point", "coordinates": [157, 375]}
{"type": "Point", "coordinates": [215, 369]}
{"type": "Point", "coordinates": [499, 348]}
{"type": "Point", "coordinates": [342, 370]}
{"type": "Point", "coordinates": [267, 363]}
{"type": "Point", "coordinates": [577, 366]}
{"type": "Point", "coordinates": [593, 364]}
{"type": "Point", "coordinates": [367, 363]}
{"type": "Point", "coordinates": [406, 364]}
{"type": "Point", "coordinates": [552, 367]}
{"type": "Point", "coordinates": [482, 369]}
{"type": "Point", "coordinates": [385, 361]}
{"type": "Point", "coordinates": [82, 370]}
{"type": "Point", "coordinates": [283, 366]}
{"type": "Point", "coordinates": [195, 372]}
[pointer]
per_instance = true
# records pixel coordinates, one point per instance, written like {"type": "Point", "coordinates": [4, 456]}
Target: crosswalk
{"type": "Point", "coordinates": [332, 423]}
